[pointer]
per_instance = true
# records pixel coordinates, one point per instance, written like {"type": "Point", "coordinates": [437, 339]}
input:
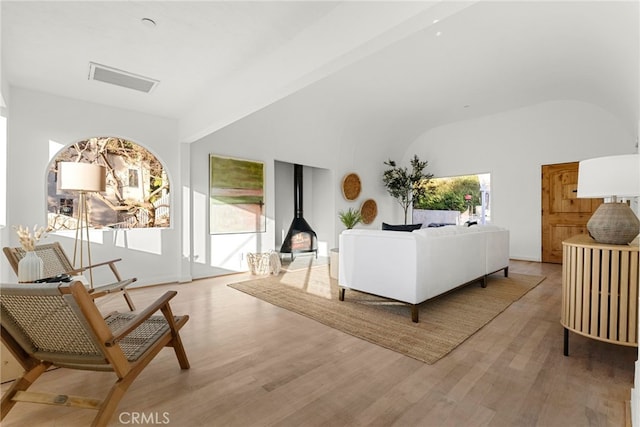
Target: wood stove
{"type": "Point", "coordinates": [301, 238]}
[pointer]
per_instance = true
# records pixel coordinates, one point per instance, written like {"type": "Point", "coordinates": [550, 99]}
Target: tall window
{"type": "Point", "coordinates": [137, 194]}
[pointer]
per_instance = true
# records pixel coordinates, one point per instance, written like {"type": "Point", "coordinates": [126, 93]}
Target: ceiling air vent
{"type": "Point", "coordinates": [117, 77]}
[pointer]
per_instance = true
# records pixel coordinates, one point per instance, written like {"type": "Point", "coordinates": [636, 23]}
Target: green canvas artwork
{"type": "Point", "coordinates": [236, 196]}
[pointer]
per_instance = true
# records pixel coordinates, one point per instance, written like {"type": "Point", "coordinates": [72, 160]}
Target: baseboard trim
{"type": "Point", "coordinates": [524, 258]}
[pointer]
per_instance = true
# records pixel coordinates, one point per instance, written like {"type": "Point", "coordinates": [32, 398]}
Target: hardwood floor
{"type": "Point", "coordinates": [253, 364]}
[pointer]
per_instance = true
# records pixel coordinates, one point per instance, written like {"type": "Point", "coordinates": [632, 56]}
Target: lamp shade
{"type": "Point", "coordinates": [76, 176]}
{"type": "Point", "coordinates": [609, 176]}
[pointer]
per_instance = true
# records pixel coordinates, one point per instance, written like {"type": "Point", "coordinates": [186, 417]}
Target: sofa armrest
{"type": "Point", "coordinates": [379, 262]}
{"type": "Point", "coordinates": [497, 250]}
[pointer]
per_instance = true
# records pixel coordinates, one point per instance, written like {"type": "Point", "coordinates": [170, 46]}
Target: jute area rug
{"type": "Point", "coordinates": [445, 322]}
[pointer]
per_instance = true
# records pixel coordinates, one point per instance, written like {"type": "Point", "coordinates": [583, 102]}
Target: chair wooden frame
{"type": "Point", "coordinates": [76, 336]}
{"type": "Point", "coordinates": [56, 262]}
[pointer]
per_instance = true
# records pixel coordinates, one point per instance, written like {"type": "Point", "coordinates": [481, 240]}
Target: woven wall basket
{"type": "Point", "coordinates": [351, 186]}
{"type": "Point", "coordinates": [369, 211]}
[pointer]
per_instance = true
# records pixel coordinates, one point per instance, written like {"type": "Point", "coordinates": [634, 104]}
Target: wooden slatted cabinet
{"type": "Point", "coordinates": [600, 290]}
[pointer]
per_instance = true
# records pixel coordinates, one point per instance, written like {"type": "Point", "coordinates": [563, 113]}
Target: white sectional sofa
{"type": "Point", "coordinates": [413, 267]}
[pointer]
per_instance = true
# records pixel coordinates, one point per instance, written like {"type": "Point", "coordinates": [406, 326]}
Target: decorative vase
{"type": "Point", "coordinates": [30, 268]}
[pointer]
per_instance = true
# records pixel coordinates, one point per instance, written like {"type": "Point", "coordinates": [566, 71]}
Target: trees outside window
{"type": "Point", "coordinates": [467, 194]}
{"type": "Point", "coordinates": [137, 194]}
{"type": "Point", "coordinates": [449, 194]}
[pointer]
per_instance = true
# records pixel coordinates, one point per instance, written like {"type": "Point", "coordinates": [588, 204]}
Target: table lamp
{"type": "Point", "coordinates": [82, 178]}
{"type": "Point", "coordinates": [611, 177]}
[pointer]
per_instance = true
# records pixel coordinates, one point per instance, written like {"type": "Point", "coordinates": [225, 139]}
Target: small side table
{"type": "Point", "coordinates": [600, 290]}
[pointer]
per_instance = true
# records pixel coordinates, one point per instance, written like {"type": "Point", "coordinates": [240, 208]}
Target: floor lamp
{"type": "Point", "coordinates": [611, 177]}
{"type": "Point", "coordinates": [82, 178]}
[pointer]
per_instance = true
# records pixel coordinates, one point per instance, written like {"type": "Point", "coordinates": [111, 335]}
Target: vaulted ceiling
{"type": "Point", "coordinates": [405, 66]}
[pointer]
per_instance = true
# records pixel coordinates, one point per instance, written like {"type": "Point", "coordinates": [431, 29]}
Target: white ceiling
{"type": "Point", "coordinates": [405, 66]}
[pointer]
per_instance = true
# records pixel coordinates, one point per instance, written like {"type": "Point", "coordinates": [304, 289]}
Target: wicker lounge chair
{"type": "Point", "coordinates": [56, 262]}
{"type": "Point", "coordinates": [45, 325]}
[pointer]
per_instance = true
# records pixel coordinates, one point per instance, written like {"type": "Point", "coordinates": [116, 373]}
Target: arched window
{"type": "Point", "coordinates": [137, 194]}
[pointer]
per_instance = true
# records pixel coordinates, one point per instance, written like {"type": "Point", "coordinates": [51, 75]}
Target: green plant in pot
{"type": "Point", "coordinates": [350, 218]}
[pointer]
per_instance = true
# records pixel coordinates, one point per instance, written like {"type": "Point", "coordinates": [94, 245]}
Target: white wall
{"type": "Point", "coordinates": [317, 196]}
{"type": "Point", "coordinates": [323, 208]}
{"type": "Point", "coordinates": [291, 131]}
{"type": "Point", "coordinates": [36, 119]}
{"type": "Point", "coordinates": [284, 132]}
{"type": "Point", "coordinates": [214, 255]}
{"type": "Point", "coordinates": [513, 146]}
{"type": "Point", "coordinates": [225, 253]}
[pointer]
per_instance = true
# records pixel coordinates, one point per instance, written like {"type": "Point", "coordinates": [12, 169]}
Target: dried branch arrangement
{"type": "Point", "coordinates": [28, 240]}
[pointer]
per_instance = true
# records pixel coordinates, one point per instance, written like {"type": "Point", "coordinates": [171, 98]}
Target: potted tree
{"type": "Point", "coordinates": [406, 186]}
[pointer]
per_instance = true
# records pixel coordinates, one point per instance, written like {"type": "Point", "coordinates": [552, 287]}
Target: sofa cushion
{"type": "Point", "coordinates": [401, 227]}
{"type": "Point", "coordinates": [440, 224]}
{"type": "Point", "coordinates": [443, 231]}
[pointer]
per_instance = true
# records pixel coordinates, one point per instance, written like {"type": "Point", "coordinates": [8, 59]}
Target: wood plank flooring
{"type": "Point", "coordinates": [253, 364]}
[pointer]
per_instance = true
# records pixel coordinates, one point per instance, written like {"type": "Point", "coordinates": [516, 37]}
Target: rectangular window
{"type": "Point", "coordinates": [455, 200]}
{"type": "Point", "coordinates": [133, 178]}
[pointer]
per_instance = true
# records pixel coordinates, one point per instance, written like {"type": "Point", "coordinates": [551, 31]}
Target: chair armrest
{"type": "Point", "coordinates": [101, 290]}
{"type": "Point", "coordinates": [82, 269]}
{"type": "Point", "coordinates": [140, 318]}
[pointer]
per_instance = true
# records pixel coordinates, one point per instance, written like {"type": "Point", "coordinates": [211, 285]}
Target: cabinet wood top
{"type": "Point", "coordinates": [586, 240]}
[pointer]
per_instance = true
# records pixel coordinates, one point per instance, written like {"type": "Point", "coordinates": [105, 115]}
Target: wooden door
{"type": "Point", "coordinates": [563, 214]}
